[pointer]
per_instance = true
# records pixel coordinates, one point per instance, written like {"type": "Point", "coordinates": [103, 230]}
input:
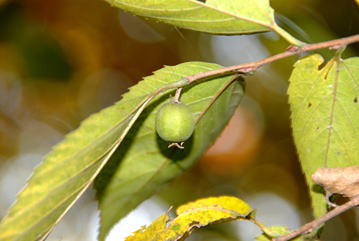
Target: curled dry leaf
{"type": "Point", "coordinates": [344, 180]}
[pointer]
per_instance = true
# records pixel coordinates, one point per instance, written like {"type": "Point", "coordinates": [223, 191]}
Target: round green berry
{"type": "Point", "coordinates": [174, 122]}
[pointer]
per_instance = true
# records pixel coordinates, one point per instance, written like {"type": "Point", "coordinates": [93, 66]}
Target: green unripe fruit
{"type": "Point", "coordinates": [174, 122]}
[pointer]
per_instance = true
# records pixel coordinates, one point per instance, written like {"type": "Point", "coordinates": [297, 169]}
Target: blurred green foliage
{"type": "Point", "coordinates": [42, 56]}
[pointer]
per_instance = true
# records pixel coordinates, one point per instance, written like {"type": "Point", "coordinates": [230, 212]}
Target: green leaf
{"type": "Point", "coordinates": [325, 117]}
{"type": "Point", "coordinates": [214, 16]}
{"type": "Point", "coordinates": [211, 16]}
{"type": "Point", "coordinates": [69, 169]}
{"type": "Point", "coordinates": [145, 163]}
{"type": "Point", "coordinates": [275, 231]}
{"type": "Point", "coordinates": [191, 216]}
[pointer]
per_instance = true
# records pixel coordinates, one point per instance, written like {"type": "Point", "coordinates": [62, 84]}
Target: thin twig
{"type": "Point", "coordinates": [292, 50]}
{"type": "Point", "coordinates": [309, 227]}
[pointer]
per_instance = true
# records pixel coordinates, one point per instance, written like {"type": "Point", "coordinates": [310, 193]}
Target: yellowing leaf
{"type": "Point", "coordinates": [225, 202]}
{"type": "Point", "coordinates": [195, 215]}
{"type": "Point", "coordinates": [150, 232]}
{"type": "Point", "coordinates": [325, 117]}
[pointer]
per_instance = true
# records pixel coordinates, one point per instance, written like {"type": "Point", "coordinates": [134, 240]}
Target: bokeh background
{"type": "Point", "coordinates": [60, 61]}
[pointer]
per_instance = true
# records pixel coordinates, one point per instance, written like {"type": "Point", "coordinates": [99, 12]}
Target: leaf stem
{"type": "Point", "coordinates": [287, 36]}
{"type": "Point", "coordinates": [177, 98]}
{"type": "Point", "coordinates": [260, 225]}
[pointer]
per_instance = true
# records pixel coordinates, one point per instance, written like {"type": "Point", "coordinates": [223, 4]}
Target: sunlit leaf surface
{"type": "Point", "coordinates": [325, 117]}
{"type": "Point", "coordinates": [212, 16]}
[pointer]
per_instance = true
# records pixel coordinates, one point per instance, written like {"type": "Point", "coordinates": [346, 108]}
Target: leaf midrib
{"type": "Point", "coordinates": [330, 126]}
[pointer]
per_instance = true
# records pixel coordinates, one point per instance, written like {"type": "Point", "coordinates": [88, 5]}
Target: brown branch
{"type": "Point", "coordinates": [292, 50]}
{"type": "Point", "coordinates": [309, 227]}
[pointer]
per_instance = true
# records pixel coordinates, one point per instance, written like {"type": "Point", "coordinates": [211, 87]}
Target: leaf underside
{"type": "Point", "coordinates": [325, 117]}
{"type": "Point", "coordinates": [191, 216]}
{"type": "Point", "coordinates": [213, 16]}
{"type": "Point", "coordinates": [144, 163]}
